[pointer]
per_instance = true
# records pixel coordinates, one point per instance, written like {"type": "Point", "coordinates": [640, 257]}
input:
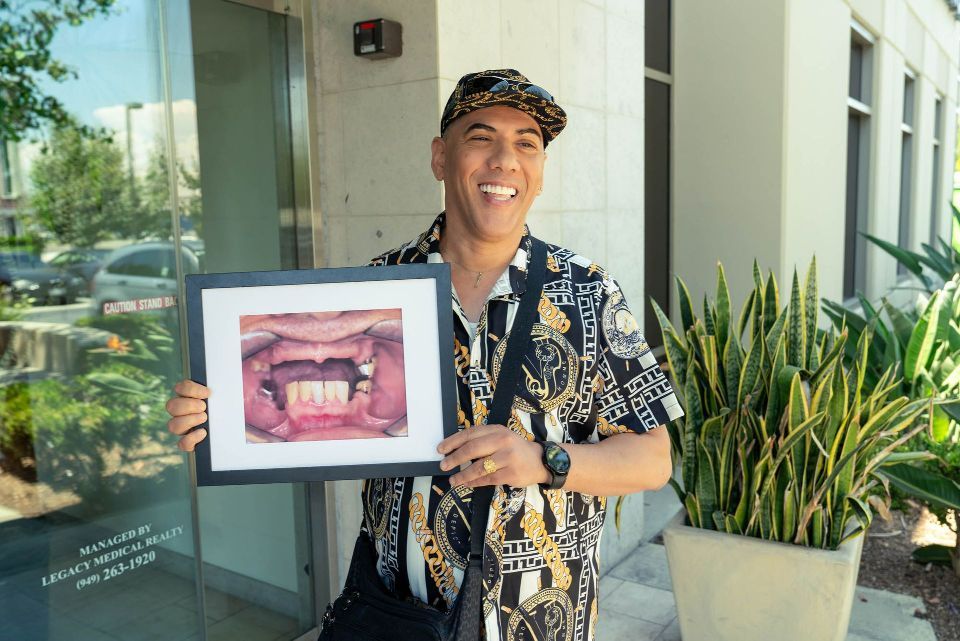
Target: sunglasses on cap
{"type": "Point", "coordinates": [498, 84]}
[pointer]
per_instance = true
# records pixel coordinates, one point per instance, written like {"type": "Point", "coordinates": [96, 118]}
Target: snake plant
{"type": "Point", "coordinates": [926, 340]}
{"type": "Point", "coordinates": [780, 441]}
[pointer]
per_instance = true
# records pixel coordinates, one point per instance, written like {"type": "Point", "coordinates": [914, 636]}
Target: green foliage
{"type": "Point", "coordinates": [940, 492]}
{"type": "Point", "coordinates": [143, 341]}
{"type": "Point", "coordinates": [29, 243]}
{"type": "Point", "coordinates": [926, 340]}
{"type": "Point", "coordinates": [80, 189]}
{"type": "Point", "coordinates": [942, 261]}
{"type": "Point", "coordinates": [27, 28]}
{"type": "Point", "coordinates": [71, 427]}
{"type": "Point", "coordinates": [780, 441]}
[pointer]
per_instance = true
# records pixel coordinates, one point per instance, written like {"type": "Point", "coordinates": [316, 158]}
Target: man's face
{"type": "Point", "coordinates": [491, 163]}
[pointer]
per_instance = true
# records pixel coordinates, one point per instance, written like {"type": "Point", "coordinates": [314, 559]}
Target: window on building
{"type": "Point", "coordinates": [6, 174]}
{"type": "Point", "coordinates": [657, 148]}
{"type": "Point", "coordinates": [935, 195]}
{"type": "Point", "coordinates": [906, 165]}
{"type": "Point", "coordinates": [858, 157]}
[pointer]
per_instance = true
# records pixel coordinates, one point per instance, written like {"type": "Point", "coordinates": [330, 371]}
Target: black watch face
{"type": "Point", "coordinates": [557, 459]}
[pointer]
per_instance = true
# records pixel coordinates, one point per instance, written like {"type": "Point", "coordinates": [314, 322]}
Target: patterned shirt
{"type": "Point", "coordinates": [589, 375]}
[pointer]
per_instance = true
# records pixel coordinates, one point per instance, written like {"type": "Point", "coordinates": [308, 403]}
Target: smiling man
{"type": "Point", "coordinates": [588, 415]}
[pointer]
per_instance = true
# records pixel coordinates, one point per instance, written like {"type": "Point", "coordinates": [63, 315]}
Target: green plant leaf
{"type": "Point", "coordinates": [810, 298]}
{"type": "Point", "coordinates": [693, 510]}
{"type": "Point", "coordinates": [706, 480]}
{"type": "Point", "coordinates": [771, 302]}
{"type": "Point", "coordinates": [939, 424]}
{"type": "Point", "coordinates": [922, 339]}
{"type": "Point", "coordinates": [685, 304]}
{"type": "Point", "coordinates": [750, 373]}
{"type": "Point", "coordinates": [722, 306]}
{"type": "Point", "coordinates": [951, 409]}
{"type": "Point", "coordinates": [796, 326]}
{"type": "Point", "coordinates": [119, 383]}
{"type": "Point", "coordinates": [934, 489]}
{"type": "Point", "coordinates": [732, 359]}
{"type": "Point", "coordinates": [746, 314]}
{"type": "Point", "coordinates": [933, 553]}
{"type": "Point", "coordinates": [673, 345]}
{"type": "Point", "coordinates": [939, 263]}
{"type": "Point", "coordinates": [907, 258]}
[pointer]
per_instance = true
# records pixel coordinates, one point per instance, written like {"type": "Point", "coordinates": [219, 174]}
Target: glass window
{"type": "Point", "coordinates": [148, 262]}
{"type": "Point", "coordinates": [858, 158]}
{"type": "Point", "coordinates": [657, 35]}
{"type": "Point", "coordinates": [935, 195]}
{"type": "Point", "coordinates": [6, 171]}
{"type": "Point", "coordinates": [97, 524]}
{"type": "Point", "coordinates": [906, 167]}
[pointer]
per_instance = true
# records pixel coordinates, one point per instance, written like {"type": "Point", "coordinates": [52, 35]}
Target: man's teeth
{"type": "Point", "coordinates": [259, 366]}
{"type": "Point", "coordinates": [318, 392]}
{"type": "Point", "coordinates": [498, 190]}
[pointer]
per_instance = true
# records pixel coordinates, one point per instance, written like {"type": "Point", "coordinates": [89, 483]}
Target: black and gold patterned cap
{"type": "Point", "coordinates": [510, 88]}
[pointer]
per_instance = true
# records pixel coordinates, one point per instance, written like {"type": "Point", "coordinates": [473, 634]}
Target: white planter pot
{"type": "Point", "coordinates": [738, 588]}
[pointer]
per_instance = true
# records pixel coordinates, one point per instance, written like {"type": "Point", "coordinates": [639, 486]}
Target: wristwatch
{"type": "Point", "coordinates": [557, 462]}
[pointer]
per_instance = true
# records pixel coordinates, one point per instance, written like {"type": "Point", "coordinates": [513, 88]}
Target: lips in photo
{"type": "Point", "coordinates": [323, 376]}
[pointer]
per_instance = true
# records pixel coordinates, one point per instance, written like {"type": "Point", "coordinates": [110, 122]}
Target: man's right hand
{"type": "Point", "coordinates": [188, 409]}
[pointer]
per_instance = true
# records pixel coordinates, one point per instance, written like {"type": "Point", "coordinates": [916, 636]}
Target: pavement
{"type": "Point", "coordinates": [636, 598]}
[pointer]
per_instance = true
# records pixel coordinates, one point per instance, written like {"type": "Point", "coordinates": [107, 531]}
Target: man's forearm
{"type": "Point", "coordinates": [620, 464]}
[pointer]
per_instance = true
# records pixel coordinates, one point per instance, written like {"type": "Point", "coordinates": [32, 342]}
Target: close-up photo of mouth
{"type": "Point", "coordinates": [323, 376]}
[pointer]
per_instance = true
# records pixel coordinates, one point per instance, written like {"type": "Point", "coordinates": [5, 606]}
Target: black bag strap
{"type": "Point", "coordinates": [518, 344]}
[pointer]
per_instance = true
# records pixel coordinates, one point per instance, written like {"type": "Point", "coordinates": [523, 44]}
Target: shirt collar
{"type": "Point", "coordinates": [512, 282]}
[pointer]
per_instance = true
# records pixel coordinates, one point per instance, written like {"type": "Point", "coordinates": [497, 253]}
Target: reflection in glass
{"type": "Point", "coordinates": [95, 521]}
{"type": "Point", "coordinates": [101, 213]}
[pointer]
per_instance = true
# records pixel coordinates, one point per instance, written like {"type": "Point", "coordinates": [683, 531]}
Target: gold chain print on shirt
{"type": "Point", "coordinates": [440, 571]}
{"type": "Point", "coordinates": [536, 530]}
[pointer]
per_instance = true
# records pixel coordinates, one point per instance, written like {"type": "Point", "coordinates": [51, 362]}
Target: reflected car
{"type": "Point", "coordinates": [80, 262]}
{"type": "Point", "coordinates": [143, 270]}
{"type": "Point", "coordinates": [27, 278]}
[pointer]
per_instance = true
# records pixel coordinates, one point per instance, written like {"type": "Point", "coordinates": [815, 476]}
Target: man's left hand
{"type": "Point", "coordinates": [518, 462]}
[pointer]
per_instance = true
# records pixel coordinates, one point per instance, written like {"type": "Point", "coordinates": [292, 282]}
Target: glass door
{"type": "Point", "coordinates": [255, 540]}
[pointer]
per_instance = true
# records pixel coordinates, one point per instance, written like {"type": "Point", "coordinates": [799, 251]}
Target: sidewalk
{"type": "Point", "coordinates": [636, 598]}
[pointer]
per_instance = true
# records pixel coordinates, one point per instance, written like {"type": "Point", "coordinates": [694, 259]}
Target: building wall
{"type": "Point", "coordinates": [727, 141]}
{"type": "Point", "coordinates": [923, 35]}
{"type": "Point", "coordinates": [377, 118]}
{"type": "Point", "coordinates": [760, 92]}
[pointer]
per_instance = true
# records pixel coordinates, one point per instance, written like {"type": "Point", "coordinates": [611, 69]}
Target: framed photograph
{"type": "Point", "coordinates": [323, 374]}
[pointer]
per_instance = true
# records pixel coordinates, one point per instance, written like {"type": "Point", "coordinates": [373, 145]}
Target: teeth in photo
{"type": "Point", "coordinates": [306, 391]}
{"type": "Point", "coordinates": [260, 366]}
{"type": "Point", "coordinates": [364, 386]}
{"type": "Point", "coordinates": [330, 391]}
{"type": "Point", "coordinates": [293, 392]}
{"type": "Point", "coordinates": [317, 388]}
{"type": "Point", "coordinates": [343, 391]}
{"type": "Point", "coordinates": [368, 367]}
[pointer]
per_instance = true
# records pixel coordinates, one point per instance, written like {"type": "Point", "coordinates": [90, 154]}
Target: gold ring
{"type": "Point", "coordinates": [489, 467]}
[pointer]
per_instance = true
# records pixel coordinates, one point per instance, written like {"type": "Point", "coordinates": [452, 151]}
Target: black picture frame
{"type": "Point", "coordinates": [421, 465]}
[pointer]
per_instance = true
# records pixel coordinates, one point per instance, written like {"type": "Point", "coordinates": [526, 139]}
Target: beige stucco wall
{"type": "Point", "coordinates": [727, 140]}
{"type": "Point", "coordinates": [760, 133]}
